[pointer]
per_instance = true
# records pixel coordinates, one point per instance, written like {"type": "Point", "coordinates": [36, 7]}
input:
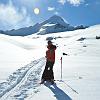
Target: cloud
{"type": "Point", "coordinates": [62, 1]}
{"type": "Point", "coordinates": [54, 10]}
{"type": "Point", "coordinates": [51, 8]}
{"type": "Point", "coordinates": [86, 4]}
{"type": "Point", "coordinates": [12, 17]}
{"type": "Point", "coordinates": [73, 2]}
{"type": "Point", "coordinates": [56, 13]}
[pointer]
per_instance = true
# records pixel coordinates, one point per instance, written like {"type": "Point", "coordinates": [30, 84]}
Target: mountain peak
{"type": "Point", "coordinates": [55, 19]}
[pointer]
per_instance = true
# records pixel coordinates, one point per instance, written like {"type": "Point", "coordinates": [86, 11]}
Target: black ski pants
{"type": "Point", "coordinates": [48, 71]}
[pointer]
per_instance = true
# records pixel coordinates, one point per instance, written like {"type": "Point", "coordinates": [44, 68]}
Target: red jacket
{"type": "Point", "coordinates": [50, 53]}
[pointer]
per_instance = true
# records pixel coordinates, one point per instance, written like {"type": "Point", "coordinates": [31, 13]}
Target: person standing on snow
{"type": "Point", "coordinates": [50, 60]}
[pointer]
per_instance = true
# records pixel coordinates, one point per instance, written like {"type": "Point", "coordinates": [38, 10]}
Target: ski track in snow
{"type": "Point", "coordinates": [20, 82]}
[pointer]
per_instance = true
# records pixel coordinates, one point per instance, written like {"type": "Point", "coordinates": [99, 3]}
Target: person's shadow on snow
{"type": "Point", "coordinates": [58, 93]}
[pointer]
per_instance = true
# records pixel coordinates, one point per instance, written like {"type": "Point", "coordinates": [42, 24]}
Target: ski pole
{"type": "Point", "coordinates": [61, 68]}
{"type": "Point", "coordinates": [61, 64]}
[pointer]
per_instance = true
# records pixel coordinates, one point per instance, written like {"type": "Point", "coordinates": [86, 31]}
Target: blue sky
{"type": "Point", "coordinates": [15, 14]}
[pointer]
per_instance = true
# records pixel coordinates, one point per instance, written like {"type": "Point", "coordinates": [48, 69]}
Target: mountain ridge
{"type": "Point", "coordinates": [52, 25]}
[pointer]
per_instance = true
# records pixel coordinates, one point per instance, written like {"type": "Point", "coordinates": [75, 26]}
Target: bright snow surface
{"type": "Point", "coordinates": [22, 62]}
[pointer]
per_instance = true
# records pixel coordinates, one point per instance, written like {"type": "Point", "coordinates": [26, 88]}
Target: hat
{"type": "Point", "coordinates": [49, 42]}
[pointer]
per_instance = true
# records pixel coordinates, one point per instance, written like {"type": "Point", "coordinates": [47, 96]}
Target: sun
{"type": "Point", "coordinates": [36, 11]}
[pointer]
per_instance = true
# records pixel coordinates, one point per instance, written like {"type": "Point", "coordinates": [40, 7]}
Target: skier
{"type": "Point", "coordinates": [50, 60]}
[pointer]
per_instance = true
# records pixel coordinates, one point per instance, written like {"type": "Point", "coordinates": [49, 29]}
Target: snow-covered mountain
{"type": "Point", "coordinates": [53, 25]}
{"type": "Point", "coordinates": [24, 31]}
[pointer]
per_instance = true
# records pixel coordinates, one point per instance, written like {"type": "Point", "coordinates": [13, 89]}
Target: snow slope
{"type": "Point", "coordinates": [16, 52]}
{"type": "Point", "coordinates": [81, 66]}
